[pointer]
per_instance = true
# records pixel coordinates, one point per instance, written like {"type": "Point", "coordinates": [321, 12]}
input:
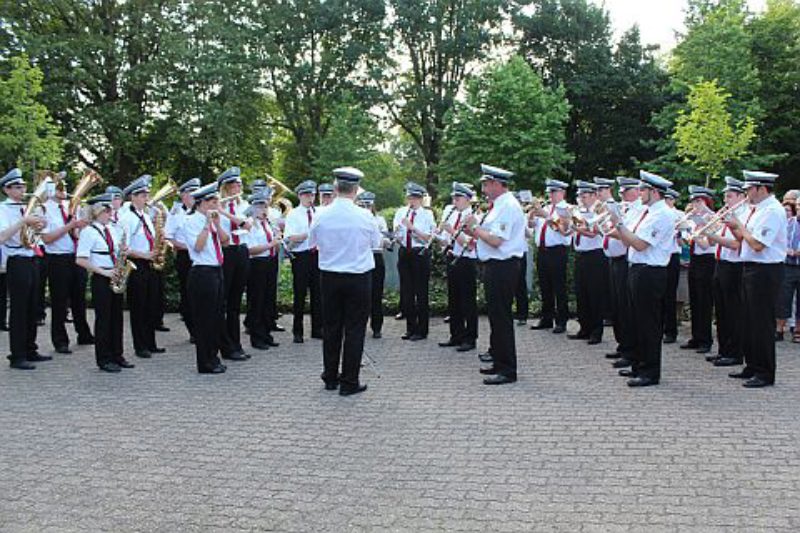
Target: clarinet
{"type": "Point", "coordinates": [471, 239]}
{"type": "Point", "coordinates": [436, 230]}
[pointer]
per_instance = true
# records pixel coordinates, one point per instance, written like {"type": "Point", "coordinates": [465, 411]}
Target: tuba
{"type": "Point", "coordinates": [160, 242]}
{"type": "Point", "coordinates": [45, 187]}
{"type": "Point", "coordinates": [279, 200]}
{"type": "Point", "coordinates": [90, 180]}
{"type": "Point", "coordinates": [122, 267]}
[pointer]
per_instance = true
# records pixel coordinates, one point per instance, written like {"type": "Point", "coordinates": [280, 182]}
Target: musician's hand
{"type": "Point", "coordinates": [34, 221]}
{"type": "Point", "coordinates": [79, 223]}
{"type": "Point", "coordinates": [147, 256]}
{"type": "Point", "coordinates": [248, 225]}
{"type": "Point", "coordinates": [733, 223]}
{"type": "Point", "coordinates": [407, 223]}
{"type": "Point", "coordinates": [107, 273]}
{"type": "Point", "coordinates": [448, 228]}
{"type": "Point", "coordinates": [612, 216]}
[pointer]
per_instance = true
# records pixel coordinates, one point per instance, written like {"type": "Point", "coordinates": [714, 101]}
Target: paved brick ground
{"type": "Point", "coordinates": [427, 447]}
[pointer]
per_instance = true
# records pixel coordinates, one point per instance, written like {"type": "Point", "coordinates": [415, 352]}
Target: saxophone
{"type": "Point", "coordinates": [122, 267]}
{"type": "Point", "coordinates": [160, 243]}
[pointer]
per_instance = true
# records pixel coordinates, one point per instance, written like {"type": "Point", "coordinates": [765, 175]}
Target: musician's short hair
{"type": "Point", "coordinates": [96, 209]}
{"type": "Point", "coordinates": [346, 187]}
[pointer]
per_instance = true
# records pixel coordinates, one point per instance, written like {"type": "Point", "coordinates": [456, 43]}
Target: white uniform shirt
{"type": "Point", "coordinates": [655, 226]}
{"type": "Point", "coordinates": [542, 229]}
{"type": "Point", "coordinates": [345, 236]}
{"type": "Point", "coordinates": [297, 223]}
{"type": "Point", "coordinates": [239, 209]}
{"type": "Point", "coordinates": [10, 214]}
{"type": "Point", "coordinates": [173, 229]}
{"type": "Point", "coordinates": [458, 248]}
{"type": "Point", "coordinates": [507, 221]}
{"type": "Point", "coordinates": [582, 243]}
{"type": "Point", "coordinates": [261, 234]}
{"type": "Point", "coordinates": [676, 244]}
{"type": "Point", "coordinates": [727, 254]}
{"type": "Point", "coordinates": [64, 244]}
{"type": "Point", "coordinates": [136, 227]}
{"type": "Point", "coordinates": [93, 245]}
{"type": "Point", "coordinates": [422, 219]}
{"type": "Point", "coordinates": [383, 228]}
{"type": "Point", "coordinates": [193, 225]}
{"type": "Point", "coordinates": [767, 222]}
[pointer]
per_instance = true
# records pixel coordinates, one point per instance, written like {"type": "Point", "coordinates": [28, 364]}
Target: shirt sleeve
{"type": "Point", "coordinates": [656, 229]}
{"type": "Point", "coordinates": [769, 227]}
{"type": "Point", "coordinates": [85, 243]}
{"type": "Point", "coordinates": [398, 217]}
{"type": "Point", "coordinates": [292, 226]}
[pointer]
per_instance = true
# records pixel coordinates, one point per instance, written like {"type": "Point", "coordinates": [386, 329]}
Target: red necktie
{"type": "Point", "coordinates": [269, 238]}
{"type": "Point", "coordinates": [640, 220]}
{"type": "Point", "coordinates": [233, 212]}
{"type": "Point", "coordinates": [458, 220]}
{"type": "Point", "coordinates": [66, 221]}
{"type": "Point", "coordinates": [408, 231]}
{"type": "Point", "coordinates": [544, 227]}
{"type": "Point", "coordinates": [719, 246]}
{"type": "Point", "coordinates": [147, 234]}
{"type": "Point", "coordinates": [110, 243]}
{"type": "Point", "coordinates": [309, 212]}
{"type": "Point", "coordinates": [217, 249]}
{"type": "Point", "coordinates": [605, 242]}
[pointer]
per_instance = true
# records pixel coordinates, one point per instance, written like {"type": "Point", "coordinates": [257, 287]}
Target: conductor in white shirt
{"type": "Point", "coordinates": [345, 235]}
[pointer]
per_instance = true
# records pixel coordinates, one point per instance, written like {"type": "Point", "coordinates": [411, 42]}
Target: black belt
{"type": "Point", "coordinates": [510, 259]}
{"type": "Point", "coordinates": [619, 258]}
{"type": "Point", "coordinates": [582, 252]}
{"type": "Point", "coordinates": [207, 267]}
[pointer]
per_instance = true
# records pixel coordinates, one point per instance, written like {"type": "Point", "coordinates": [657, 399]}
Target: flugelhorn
{"type": "Point", "coordinates": [713, 224]}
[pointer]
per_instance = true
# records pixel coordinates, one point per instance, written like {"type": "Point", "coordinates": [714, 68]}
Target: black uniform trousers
{"type": "Point", "coordinates": [606, 298]}
{"type": "Point", "coordinates": [590, 269]}
{"type": "Point", "coordinates": [107, 321]}
{"type": "Point", "coordinates": [671, 297]}
{"type": "Point", "coordinates": [701, 297]}
{"type": "Point", "coordinates": [344, 323]}
{"type": "Point", "coordinates": [23, 291]}
{"type": "Point", "coordinates": [143, 305]}
{"type": "Point", "coordinates": [378, 279]}
{"type": "Point", "coordinates": [235, 268]}
{"type": "Point", "coordinates": [262, 296]}
{"type": "Point", "coordinates": [160, 296]}
{"type": "Point", "coordinates": [551, 264]}
{"type": "Point", "coordinates": [182, 265]}
{"type": "Point", "coordinates": [521, 295]}
{"type": "Point", "coordinates": [67, 288]}
{"type": "Point", "coordinates": [500, 280]}
{"type": "Point", "coordinates": [3, 300]}
{"type": "Point", "coordinates": [647, 285]}
{"type": "Point", "coordinates": [207, 306]}
{"type": "Point", "coordinates": [622, 307]}
{"type": "Point", "coordinates": [416, 274]}
{"type": "Point", "coordinates": [306, 280]}
{"type": "Point", "coordinates": [761, 283]}
{"type": "Point", "coordinates": [728, 309]}
{"type": "Point", "coordinates": [41, 301]}
{"type": "Point", "coordinates": [462, 300]}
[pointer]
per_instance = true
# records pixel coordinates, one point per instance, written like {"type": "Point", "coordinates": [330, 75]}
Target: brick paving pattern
{"type": "Point", "coordinates": [428, 447]}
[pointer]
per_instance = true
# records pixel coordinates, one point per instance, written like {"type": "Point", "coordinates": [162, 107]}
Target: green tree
{"type": "Point", "coordinates": [705, 135]}
{"type": "Point", "coordinates": [28, 136]}
{"type": "Point", "coordinates": [511, 120]}
{"type": "Point", "coordinates": [441, 41]}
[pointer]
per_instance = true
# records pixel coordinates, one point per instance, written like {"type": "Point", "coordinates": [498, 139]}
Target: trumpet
{"type": "Point", "coordinates": [230, 198]}
{"type": "Point", "coordinates": [682, 222]}
{"type": "Point", "coordinates": [714, 224]}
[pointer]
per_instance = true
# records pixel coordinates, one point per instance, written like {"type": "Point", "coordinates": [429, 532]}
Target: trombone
{"type": "Point", "coordinates": [714, 224]}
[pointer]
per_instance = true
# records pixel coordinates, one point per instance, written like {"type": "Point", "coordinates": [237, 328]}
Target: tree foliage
{"type": "Point", "coordinates": [28, 136]}
{"type": "Point", "coordinates": [705, 135]}
{"type": "Point", "coordinates": [510, 120]}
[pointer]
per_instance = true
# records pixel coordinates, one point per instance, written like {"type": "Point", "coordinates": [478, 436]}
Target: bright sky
{"type": "Point", "coordinates": [658, 19]}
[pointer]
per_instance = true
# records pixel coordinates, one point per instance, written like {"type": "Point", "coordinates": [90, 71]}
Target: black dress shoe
{"type": "Point", "coordinates": [642, 382]}
{"type": "Point", "coordinates": [271, 342]}
{"type": "Point", "coordinates": [522, 322]}
{"type": "Point", "coordinates": [756, 382]}
{"type": "Point", "coordinates": [399, 316]}
{"type": "Point", "coordinates": [235, 356]}
{"type": "Point", "coordinates": [22, 365]}
{"type": "Point", "coordinates": [123, 363]}
{"type": "Point", "coordinates": [88, 341]}
{"type": "Point", "coordinates": [594, 340]}
{"type": "Point", "coordinates": [317, 335]}
{"type": "Point", "coordinates": [3, 327]}
{"type": "Point", "coordinates": [158, 350]}
{"type": "Point", "coordinates": [110, 367]}
{"type": "Point", "coordinates": [191, 339]}
{"type": "Point", "coordinates": [613, 355]}
{"type": "Point", "coordinates": [417, 337]}
{"type": "Point", "coordinates": [727, 361]}
{"type": "Point", "coordinates": [559, 329]}
{"type": "Point", "coordinates": [350, 390]}
{"type": "Point", "coordinates": [449, 343]}
{"type": "Point", "coordinates": [377, 335]}
{"type": "Point", "coordinates": [607, 323]}
{"type": "Point", "coordinates": [712, 358]}
{"type": "Point", "coordinates": [744, 374]}
{"type": "Point", "coordinates": [260, 345]}
{"type": "Point", "coordinates": [40, 322]}
{"type": "Point", "coordinates": [405, 336]}
{"type": "Point", "coordinates": [63, 349]}
{"type": "Point", "coordinates": [490, 371]}
{"type": "Point", "coordinates": [162, 328]}
{"type": "Point", "coordinates": [669, 339]}
{"type": "Point", "coordinates": [278, 327]}
{"type": "Point", "coordinates": [499, 379]}
{"type": "Point", "coordinates": [219, 369]}
{"type": "Point", "coordinates": [542, 325]}
{"type": "Point", "coordinates": [298, 339]}
{"type": "Point", "coordinates": [466, 347]}
{"type": "Point", "coordinates": [331, 385]}
{"type": "Point", "coordinates": [778, 336]}
{"type": "Point", "coordinates": [627, 373]}
{"type": "Point", "coordinates": [446, 320]}
{"type": "Point", "coordinates": [486, 357]}
{"type": "Point", "coordinates": [623, 362]}
{"type": "Point", "coordinates": [144, 354]}
{"type": "Point", "coordinates": [577, 336]}
{"type": "Point", "coordinates": [690, 345]}
{"type": "Point", "coordinates": [37, 358]}
{"type": "Point", "coordinates": [703, 349]}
